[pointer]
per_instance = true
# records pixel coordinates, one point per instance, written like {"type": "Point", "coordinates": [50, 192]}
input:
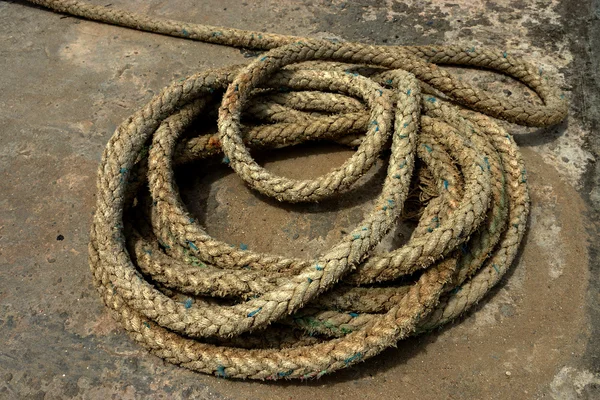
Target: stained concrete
{"type": "Point", "coordinates": [66, 84]}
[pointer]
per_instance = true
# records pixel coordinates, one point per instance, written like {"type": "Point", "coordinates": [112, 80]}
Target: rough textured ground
{"type": "Point", "coordinates": [66, 84]}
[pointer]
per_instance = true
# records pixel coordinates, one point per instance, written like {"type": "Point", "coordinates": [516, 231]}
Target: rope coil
{"type": "Point", "coordinates": [200, 303]}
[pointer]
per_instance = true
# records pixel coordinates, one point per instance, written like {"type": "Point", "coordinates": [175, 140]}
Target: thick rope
{"type": "Point", "coordinates": [203, 304]}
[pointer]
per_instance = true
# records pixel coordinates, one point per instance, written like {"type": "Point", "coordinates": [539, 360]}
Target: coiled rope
{"type": "Point", "coordinates": [205, 305]}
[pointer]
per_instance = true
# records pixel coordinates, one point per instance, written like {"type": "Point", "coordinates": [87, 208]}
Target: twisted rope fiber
{"type": "Point", "coordinates": [205, 305]}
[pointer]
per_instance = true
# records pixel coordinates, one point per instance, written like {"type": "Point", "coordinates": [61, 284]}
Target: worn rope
{"type": "Point", "coordinates": [205, 305]}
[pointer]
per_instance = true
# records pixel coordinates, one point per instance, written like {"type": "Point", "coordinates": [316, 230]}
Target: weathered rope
{"type": "Point", "coordinates": [210, 307]}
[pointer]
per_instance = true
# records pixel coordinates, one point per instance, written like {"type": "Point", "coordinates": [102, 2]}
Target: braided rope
{"type": "Point", "coordinates": [200, 303]}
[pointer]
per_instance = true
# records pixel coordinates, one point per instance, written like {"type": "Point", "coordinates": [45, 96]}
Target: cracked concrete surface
{"type": "Point", "coordinates": [67, 83]}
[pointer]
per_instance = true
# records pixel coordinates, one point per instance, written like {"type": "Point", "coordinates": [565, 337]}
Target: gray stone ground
{"type": "Point", "coordinates": [65, 84]}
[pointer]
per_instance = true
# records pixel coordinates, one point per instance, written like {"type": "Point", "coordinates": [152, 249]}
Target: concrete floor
{"type": "Point", "coordinates": [66, 84]}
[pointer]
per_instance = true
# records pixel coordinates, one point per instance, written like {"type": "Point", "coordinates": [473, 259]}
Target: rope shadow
{"type": "Point", "coordinates": [542, 136]}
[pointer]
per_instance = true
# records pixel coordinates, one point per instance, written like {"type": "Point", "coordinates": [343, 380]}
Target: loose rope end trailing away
{"type": "Point", "coordinates": [202, 304]}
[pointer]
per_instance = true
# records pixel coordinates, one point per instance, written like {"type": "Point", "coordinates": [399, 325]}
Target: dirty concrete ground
{"type": "Point", "coordinates": [66, 84]}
